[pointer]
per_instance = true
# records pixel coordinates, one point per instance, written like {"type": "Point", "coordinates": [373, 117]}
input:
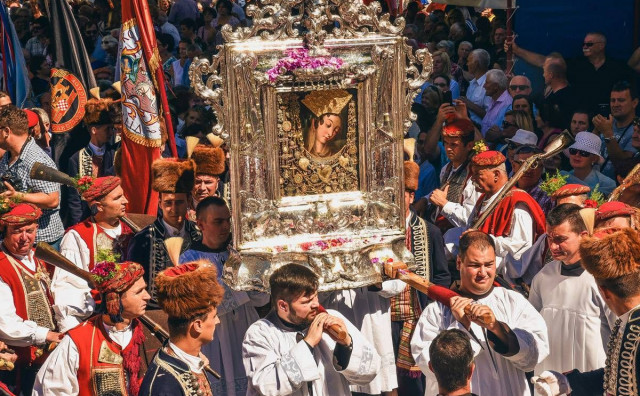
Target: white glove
{"type": "Point", "coordinates": [551, 383]}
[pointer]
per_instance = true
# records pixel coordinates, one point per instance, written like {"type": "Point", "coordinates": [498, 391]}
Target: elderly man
{"type": "Point", "coordinates": [476, 99]}
{"type": "Point", "coordinates": [515, 335]}
{"type": "Point", "coordinates": [571, 193]}
{"type": "Point", "coordinates": [592, 76]}
{"type": "Point", "coordinates": [21, 153]}
{"type": "Point", "coordinates": [87, 243]}
{"type": "Point", "coordinates": [292, 352]}
{"type": "Point", "coordinates": [617, 129]}
{"type": "Point", "coordinates": [568, 299]}
{"type": "Point", "coordinates": [496, 88]}
{"type": "Point", "coordinates": [617, 214]}
{"type": "Point", "coordinates": [519, 85]}
{"type": "Point", "coordinates": [102, 355]}
{"type": "Point", "coordinates": [27, 323]}
{"type": "Point", "coordinates": [516, 222]}
{"type": "Point", "coordinates": [236, 311]}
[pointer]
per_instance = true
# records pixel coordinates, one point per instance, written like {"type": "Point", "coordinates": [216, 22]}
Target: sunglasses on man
{"type": "Point", "coordinates": [590, 44]}
{"type": "Point", "coordinates": [519, 87]}
{"type": "Point", "coordinates": [574, 151]}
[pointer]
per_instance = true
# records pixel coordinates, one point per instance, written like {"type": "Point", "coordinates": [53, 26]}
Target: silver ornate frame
{"type": "Point", "coordinates": [342, 236]}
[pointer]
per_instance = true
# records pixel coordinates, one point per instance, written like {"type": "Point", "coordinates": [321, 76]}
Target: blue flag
{"type": "Point", "coordinates": [15, 77]}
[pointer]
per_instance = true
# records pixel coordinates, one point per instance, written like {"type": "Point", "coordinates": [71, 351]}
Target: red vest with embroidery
{"type": "Point", "coordinates": [90, 233]}
{"type": "Point", "coordinates": [105, 368]}
{"type": "Point", "coordinates": [500, 221]}
{"type": "Point", "coordinates": [31, 299]}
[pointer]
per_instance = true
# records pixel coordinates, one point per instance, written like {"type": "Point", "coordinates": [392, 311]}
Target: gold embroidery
{"type": "Point", "coordinates": [106, 355]}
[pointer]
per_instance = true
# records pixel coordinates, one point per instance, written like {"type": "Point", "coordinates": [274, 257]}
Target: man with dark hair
{"type": "Point", "coordinates": [237, 309]}
{"type": "Point", "coordinates": [612, 257]}
{"type": "Point", "coordinates": [568, 299]}
{"type": "Point", "coordinates": [294, 351]}
{"type": "Point", "coordinates": [580, 121]}
{"type": "Point", "coordinates": [15, 167]}
{"type": "Point", "coordinates": [515, 334]}
{"type": "Point", "coordinates": [5, 99]}
{"type": "Point", "coordinates": [102, 355]}
{"type": "Point", "coordinates": [617, 129]}
{"type": "Point", "coordinates": [190, 295]}
{"type": "Point", "coordinates": [452, 363]}
{"type": "Point", "coordinates": [458, 196]}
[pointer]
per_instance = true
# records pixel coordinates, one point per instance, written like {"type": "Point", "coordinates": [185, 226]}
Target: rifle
{"type": "Point", "coordinates": [50, 255]}
{"type": "Point", "coordinates": [554, 147]}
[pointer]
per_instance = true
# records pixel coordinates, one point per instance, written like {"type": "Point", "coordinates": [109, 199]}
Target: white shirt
{"type": "Point", "coordinates": [477, 95]}
{"type": "Point", "coordinates": [278, 365]}
{"type": "Point", "coordinates": [14, 330]}
{"type": "Point", "coordinates": [508, 307]}
{"type": "Point", "coordinates": [458, 213]}
{"type": "Point", "coordinates": [573, 310]}
{"type": "Point", "coordinates": [508, 248]}
{"type": "Point", "coordinates": [195, 363]}
{"type": "Point", "coordinates": [59, 373]}
{"type": "Point", "coordinates": [71, 294]}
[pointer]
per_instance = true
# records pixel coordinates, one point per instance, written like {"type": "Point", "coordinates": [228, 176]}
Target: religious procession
{"type": "Point", "coordinates": [319, 198]}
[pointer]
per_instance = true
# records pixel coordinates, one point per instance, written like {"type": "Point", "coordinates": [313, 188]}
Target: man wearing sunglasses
{"type": "Point", "coordinates": [592, 76]}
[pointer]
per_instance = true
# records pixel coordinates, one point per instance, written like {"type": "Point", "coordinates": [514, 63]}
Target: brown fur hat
{"type": "Point", "coordinates": [171, 175]}
{"type": "Point", "coordinates": [188, 290]}
{"type": "Point", "coordinates": [209, 160]}
{"type": "Point", "coordinates": [611, 253]}
{"type": "Point", "coordinates": [411, 175]}
{"type": "Point", "coordinates": [101, 112]}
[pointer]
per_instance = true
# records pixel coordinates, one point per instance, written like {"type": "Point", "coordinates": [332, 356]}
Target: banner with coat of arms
{"type": "Point", "coordinates": [144, 104]}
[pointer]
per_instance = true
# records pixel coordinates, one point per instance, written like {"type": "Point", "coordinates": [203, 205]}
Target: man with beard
{"type": "Point", "coordinates": [236, 310]}
{"type": "Point", "coordinates": [568, 299]}
{"type": "Point", "coordinates": [509, 335]}
{"type": "Point", "coordinates": [289, 353]}
{"type": "Point", "coordinates": [210, 165]}
{"type": "Point", "coordinates": [102, 355]}
{"type": "Point", "coordinates": [87, 243]}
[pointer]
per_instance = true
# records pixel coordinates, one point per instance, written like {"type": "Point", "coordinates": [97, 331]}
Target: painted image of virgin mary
{"type": "Point", "coordinates": [326, 123]}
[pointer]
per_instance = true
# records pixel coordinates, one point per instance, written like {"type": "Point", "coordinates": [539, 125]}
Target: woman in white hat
{"type": "Point", "coordinates": [583, 155]}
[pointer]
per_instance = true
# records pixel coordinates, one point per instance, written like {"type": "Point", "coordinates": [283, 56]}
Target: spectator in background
{"type": "Point", "coordinates": [452, 362]}
{"type": "Point", "coordinates": [519, 85]}
{"type": "Point", "coordinates": [183, 9]}
{"type": "Point", "coordinates": [207, 33]}
{"type": "Point", "coordinates": [442, 81]}
{"type": "Point", "coordinates": [188, 31]}
{"type": "Point", "coordinates": [428, 179]}
{"type": "Point", "coordinates": [39, 67]}
{"type": "Point", "coordinates": [532, 178]}
{"type": "Point", "coordinates": [524, 103]}
{"type": "Point", "coordinates": [584, 154]}
{"type": "Point", "coordinates": [617, 128]}
{"type": "Point", "coordinates": [559, 95]}
{"type": "Point", "coordinates": [592, 76]}
{"type": "Point", "coordinates": [165, 49]}
{"type": "Point", "coordinates": [476, 100]}
{"type": "Point", "coordinates": [40, 39]}
{"type": "Point", "coordinates": [442, 65]}
{"type": "Point", "coordinates": [496, 88]}
{"type": "Point", "coordinates": [497, 52]}
{"type": "Point", "coordinates": [178, 68]}
{"type": "Point", "coordinates": [580, 121]}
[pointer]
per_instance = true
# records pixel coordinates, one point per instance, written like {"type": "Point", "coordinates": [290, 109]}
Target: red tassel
{"type": "Point", "coordinates": [132, 359]}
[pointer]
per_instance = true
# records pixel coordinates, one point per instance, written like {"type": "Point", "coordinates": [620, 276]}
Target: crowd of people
{"type": "Point", "coordinates": [541, 267]}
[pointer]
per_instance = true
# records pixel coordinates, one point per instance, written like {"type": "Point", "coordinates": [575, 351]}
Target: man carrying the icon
{"type": "Point", "coordinates": [102, 355]}
{"type": "Point", "coordinates": [102, 236]}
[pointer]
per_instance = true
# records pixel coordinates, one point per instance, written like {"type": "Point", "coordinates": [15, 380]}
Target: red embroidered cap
{"type": "Point", "coordinates": [488, 158]}
{"type": "Point", "coordinates": [21, 214]}
{"type": "Point", "coordinates": [101, 187]}
{"type": "Point", "coordinates": [570, 189]}
{"type": "Point", "coordinates": [32, 118]}
{"type": "Point", "coordinates": [458, 128]}
{"type": "Point", "coordinates": [112, 279]}
{"type": "Point", "coordinates": [613, 209]}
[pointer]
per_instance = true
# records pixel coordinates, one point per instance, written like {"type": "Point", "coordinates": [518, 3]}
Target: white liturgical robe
{"type": "Point", "coordinates": [577, 317]}
{"type": "Point", "coordinates": [278, 362]}
{"type": "Point", "coordinates": [509, 307]}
